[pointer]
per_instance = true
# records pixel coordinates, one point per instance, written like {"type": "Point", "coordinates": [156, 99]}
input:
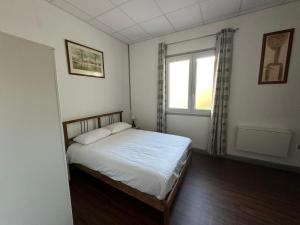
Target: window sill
{"type": "Point", "coordinates": [201, 114]}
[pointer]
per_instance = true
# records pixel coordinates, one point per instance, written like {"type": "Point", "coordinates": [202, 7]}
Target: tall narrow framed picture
{"type": "Point", "coordinates": [84, 61]}
{"type": "Point", "coordinates": [275, 57]}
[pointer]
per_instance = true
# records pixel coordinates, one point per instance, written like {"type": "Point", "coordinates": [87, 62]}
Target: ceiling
{"type": "Point", "coordinates": [135, 20]}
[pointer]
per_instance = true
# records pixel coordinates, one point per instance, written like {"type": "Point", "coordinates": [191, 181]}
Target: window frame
{"type": "Point", "coordinates": [191, 110]}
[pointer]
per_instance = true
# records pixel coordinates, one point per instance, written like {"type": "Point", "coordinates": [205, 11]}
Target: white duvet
{"type": "Point", "coordinates": [145, 160]}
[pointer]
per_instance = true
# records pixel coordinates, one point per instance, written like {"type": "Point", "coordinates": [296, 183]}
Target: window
{"type": "Point", "coordinates": [179, 84]}
{"type": "Point", "coordinates": [190, 83]}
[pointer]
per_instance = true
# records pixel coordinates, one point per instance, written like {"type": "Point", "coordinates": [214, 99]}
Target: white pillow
{"type": "Point", "coordinates": [92, 136]}
{"type": "Point", "coordinates": [117, 127]}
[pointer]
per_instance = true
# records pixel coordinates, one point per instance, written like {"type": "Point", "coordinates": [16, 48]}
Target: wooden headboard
{"type": "Point", "coordinates": [90, 123]}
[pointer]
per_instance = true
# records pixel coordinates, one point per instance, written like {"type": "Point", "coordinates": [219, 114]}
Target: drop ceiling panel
{"type": "Point", "coordinates": [100, 26]}
{"type": "Point", "coordinates": [251, 4]}
{"type": "Point", "coordinates": [71, 9]}
{"type": "Point", "coordinates": [118, 2]}
{"type": "Point", "coordinates": [134, 33]}
{"type": "Point", "coordinates": [172, 5]}
{"type": "Point", "coordinates": [92, 7]}
{"type": "Point", "coordinates": [121, 37]}
{"type": "Point", "coordinates": [116, 19]}
{"type": "Point", "coordinates": [158, 25]}
{"type": "Point", "coordinates": [186, 17]}
{"type": "Point", "coordinates": [135, 20]}
{"type": "Point", "coordinates": [141, 10]}
{"type": "Point", "coordinates": [214, 9]}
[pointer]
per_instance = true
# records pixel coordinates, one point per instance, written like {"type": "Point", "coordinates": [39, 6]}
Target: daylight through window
{"type": "Point", "coordinates": [190, 83]}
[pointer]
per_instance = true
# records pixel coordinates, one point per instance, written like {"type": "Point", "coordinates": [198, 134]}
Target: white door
{"type": "Point", "coordinates": [33, 177]}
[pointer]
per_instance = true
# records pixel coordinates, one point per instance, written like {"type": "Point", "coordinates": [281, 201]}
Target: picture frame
{"type": "Point", "coordinates": [275, 57]}
{"type": "Point", "coordinates": [84, 61]}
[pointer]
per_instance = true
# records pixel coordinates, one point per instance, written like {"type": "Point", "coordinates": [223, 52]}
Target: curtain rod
{"type": "Point", "coordinates": [195, 38]}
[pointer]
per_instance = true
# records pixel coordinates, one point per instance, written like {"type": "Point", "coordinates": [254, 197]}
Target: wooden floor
{"type": "Point", "coordinates": [214, 192]}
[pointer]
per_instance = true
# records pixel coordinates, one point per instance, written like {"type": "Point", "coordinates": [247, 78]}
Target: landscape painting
{"type": "Point", "coordinates": [275, 57]}
{"type": "Point", "coordinates": [84, 61]}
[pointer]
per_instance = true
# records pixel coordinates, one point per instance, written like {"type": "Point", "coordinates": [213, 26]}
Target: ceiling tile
{"type": "Point", "coordinates": [159, 25]}
{"type": "Point", "coordinates": [116, 19]}
{"type": "Point", "coordinates": [216, 9]}
{"type": "Point", "coordinates": [186, 17]}
{"type": "Point", "coordinates": [118, 2]}
{"type": "Point", "coordinates": [121, 37]}
{"type": "Point", "coordinates": [252, 4]}
{"type": "Point", "coordinates": [71, 9]}
{"type": "Point", "coordinates": [141, 10]}
{"type": "Point", "coordinates": [172, 5]}
{"type": "Point", "coordinates": [92, 7]}
{"type": "Point", "coordinates": [119, 17]}
{"type": "Point", "coordinates": [97, 24]}
{"type": "Point", "coordinates": [134, 33]}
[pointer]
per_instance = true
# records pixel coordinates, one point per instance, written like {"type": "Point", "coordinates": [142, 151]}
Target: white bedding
{"type": "Point", "coordinates": [145, 160]}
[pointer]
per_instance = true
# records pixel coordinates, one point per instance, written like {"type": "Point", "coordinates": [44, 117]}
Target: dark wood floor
{"type": "Point", "coordinates": [214, 192]}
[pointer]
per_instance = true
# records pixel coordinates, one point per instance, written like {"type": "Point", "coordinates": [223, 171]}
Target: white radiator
{"type": "Point", "coordinates": [274, 142]}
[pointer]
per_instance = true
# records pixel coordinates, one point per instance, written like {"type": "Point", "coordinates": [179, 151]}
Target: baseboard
{"type": "Point", "coordinates": [264, 163]}
{"type": "Point", "coordinates": [254, 161]}
{"type": "Point", "coordinates": [201, 151]}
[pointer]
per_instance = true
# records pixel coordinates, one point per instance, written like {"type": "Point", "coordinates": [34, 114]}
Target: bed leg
{"type": "Point", "coordinates": [166, 216]}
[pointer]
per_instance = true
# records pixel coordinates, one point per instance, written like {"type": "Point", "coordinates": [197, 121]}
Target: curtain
{"type": "Point", "coordinates": [218, 130]}
{"type": "Point", "coordinates": [161, 94]}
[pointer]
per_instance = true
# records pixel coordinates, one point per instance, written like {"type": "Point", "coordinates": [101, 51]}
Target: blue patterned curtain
{"type": "Point", "coordinates": [161, 94]}
{"type": "Point", "coordinates": [218, 132]}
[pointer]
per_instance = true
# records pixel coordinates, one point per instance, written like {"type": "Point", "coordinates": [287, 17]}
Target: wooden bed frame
{"type": "Point", "coordinates": [161, 205]}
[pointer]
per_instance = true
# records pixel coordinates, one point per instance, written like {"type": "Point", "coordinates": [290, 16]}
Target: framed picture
{"type": "Point", "coordinates": [84, 61]}
{"type": "Point", "coordinates": [275, 57]}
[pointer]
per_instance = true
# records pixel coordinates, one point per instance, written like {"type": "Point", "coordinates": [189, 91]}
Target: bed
{"type": "Point", "coordinates": [148, 166]}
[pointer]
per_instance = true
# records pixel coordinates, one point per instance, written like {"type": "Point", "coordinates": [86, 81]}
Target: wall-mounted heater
{"type": "Point", "coordinates": [267, 141]}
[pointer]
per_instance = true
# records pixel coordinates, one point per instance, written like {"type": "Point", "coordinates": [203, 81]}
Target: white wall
{"type": "Point", "coordinates": [39, 21]}
{"type": "Point", "coordinates": [250, 104]}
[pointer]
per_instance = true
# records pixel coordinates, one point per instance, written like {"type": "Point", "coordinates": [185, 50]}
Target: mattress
{"type": "Point", "coordinates": [147, 161]}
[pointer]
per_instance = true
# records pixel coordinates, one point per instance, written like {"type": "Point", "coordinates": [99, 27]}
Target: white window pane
{"type": "Point", "coordinates": [179, 84]}
{"type": "Point", "coordinates": [204, 82]}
